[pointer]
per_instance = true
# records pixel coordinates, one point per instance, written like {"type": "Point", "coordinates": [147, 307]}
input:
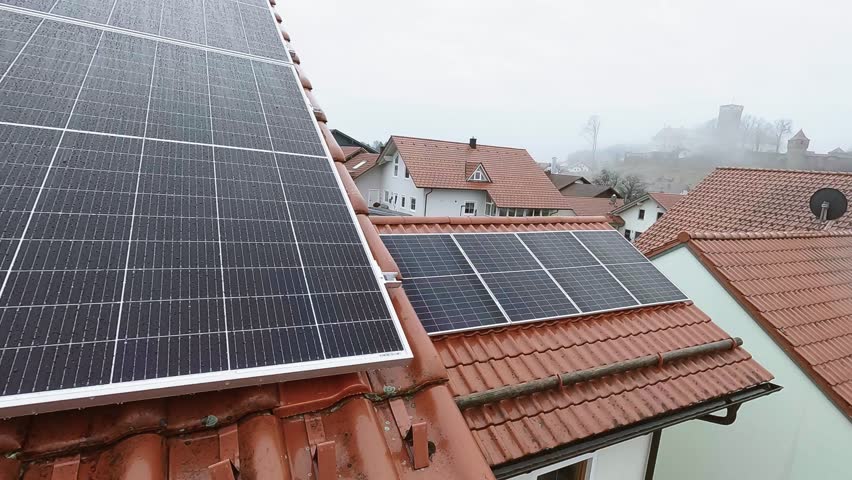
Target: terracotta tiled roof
{"type": "Point", "coordinates": [516, 428]}
{"type": "Point", "coordinates": [350, 152]}
{"type": "Point", "coordinates": [516, 180]}
{"type": "Point", "coordinates": [667, 200]}
{"type": "Point", "coordinates": [594, 205]}
{"type": "Point", "coordinates": [587, 190]}
{"type": "Point", "coordinates": [363, 160]}
{"type": "Point", "coordinates": [561, 181]}
{"type": "Point", "coordinates": [798, 287]}
{"type": "Point", "coordinates": [277, 431]}
{"type": "Point", "coordinates": [748, 200]}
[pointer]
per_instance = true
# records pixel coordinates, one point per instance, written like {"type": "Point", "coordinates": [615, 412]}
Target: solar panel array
{"type": "Point", "coordinates": [466, 281]}
{"type": "Point", "coordinates": [167, 207]}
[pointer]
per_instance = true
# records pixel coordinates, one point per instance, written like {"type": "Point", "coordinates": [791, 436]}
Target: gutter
{"type": "Point", "coordinates": [597, 442]}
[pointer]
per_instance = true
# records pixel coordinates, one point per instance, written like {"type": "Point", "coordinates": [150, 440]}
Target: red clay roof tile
{"type": "Point", "coordinates": [748, 200]}
{"type": "Point", "coordinates": [360, 162]}
{"type": "Point", "coordinates": [798, 287]}
{"type": "Point", "coordinates": [593, 205]}
{"type": "Point", "coordinates": [516, 180]}
{"type": "Point", "coordinates": [513, 429]}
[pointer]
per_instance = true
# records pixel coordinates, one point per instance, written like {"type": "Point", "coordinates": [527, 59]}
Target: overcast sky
{"type": "Point", "coordinates": [529, 73]}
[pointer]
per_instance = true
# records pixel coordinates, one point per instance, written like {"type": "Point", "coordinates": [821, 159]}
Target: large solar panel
{"type": "Point", "coordinates": [466, 281]}
{"type": "Point", "coordinates": [169, 217]}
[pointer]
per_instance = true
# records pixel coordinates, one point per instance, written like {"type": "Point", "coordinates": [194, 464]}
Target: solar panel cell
{"type": "Point", "coordinates": [139, 15]}
{"type": "Point", "coordinates": [496, 252]}
{"type": "Point", "coordinates": [261, 35]}
{"type": "Point", "coordinates": [646, 283]}
{"type": "Point", "coordinates": [610, 247]}
{"type": "Point", "coordinates": [528, 295]}
{"type": "Point", "coordinates": [41, 86]}
{"type": "Point", "coordinates": [90, 10]}
{"type": "Point", "coordinates": [426, 255]}
{"type": "Point", "coordinates": [452, 303]}
{"type": "Point", "coordinates": [558, 249]}
{"type": "Point", "coordinates": [114, 98]}
{"type": "Point", "coordinates": [15, 30]}
{"type": "Point", "coordinates": [592, 288]}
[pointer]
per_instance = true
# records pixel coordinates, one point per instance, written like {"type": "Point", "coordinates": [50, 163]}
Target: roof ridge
{"type": "Point", "coordinates": [685, 236]}
{"type": "Point", "coordinates": [459, 143]}
{"type": "Point", "coordinates": [785, 170]}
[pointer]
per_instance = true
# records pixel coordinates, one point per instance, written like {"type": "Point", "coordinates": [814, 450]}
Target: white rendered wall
{"type": "Point", "coordinates": [403, 187]}
{"type": "Point", "coordinates": [449, 203]}
{"type": "Point", "coordinates": [371, 181]}
{"type": "Point", "coordinates": [624, 461]}
{"type": "Point", "coordinates": [796, 433]}
{"type": "Point", "coordinates": [631, 217]}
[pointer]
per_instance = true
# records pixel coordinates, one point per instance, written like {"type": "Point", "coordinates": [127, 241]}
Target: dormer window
{"type": "Point", "coordinates": [478, 175]}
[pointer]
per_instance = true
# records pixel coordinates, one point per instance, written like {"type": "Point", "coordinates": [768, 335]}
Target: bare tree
{"type": "Point", "coordinates": [608, 178]}
{"type": "Point", "coordinates": [591, 131]}
{"type": "Point", "coordinates": [781, 128]}
{"type": "Point", "coordinates": [632, 187]}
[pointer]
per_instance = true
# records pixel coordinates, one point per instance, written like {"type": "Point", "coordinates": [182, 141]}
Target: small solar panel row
{"type": "Point", "coordinates": [464, 281]}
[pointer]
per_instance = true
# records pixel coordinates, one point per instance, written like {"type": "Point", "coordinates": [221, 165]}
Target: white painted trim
{"type": "Point", "coordinates": [590, 457]}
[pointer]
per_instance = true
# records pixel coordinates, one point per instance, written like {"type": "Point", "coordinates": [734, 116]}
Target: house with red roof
{"type": "Point", "coordinates": [639, 215]}
{"type": "Point", "coordinates": [789, 295]}
{"type": "Point", "coordinates": [734, 199]}
{"type": "Point", "coordinates": [424, 177]}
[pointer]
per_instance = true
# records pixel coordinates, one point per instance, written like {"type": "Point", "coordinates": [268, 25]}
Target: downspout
{"type": "Point", "coordinates": [426, 202]}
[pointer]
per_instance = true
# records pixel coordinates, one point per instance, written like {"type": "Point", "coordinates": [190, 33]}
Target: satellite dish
{"type": "Point", "coordinates": [828, 204]}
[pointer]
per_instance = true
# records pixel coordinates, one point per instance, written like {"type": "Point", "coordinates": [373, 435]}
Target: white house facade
{"type": "Point", "coordinates": [798, 433]}
{"type": "Point", "coordinates": [643, 212]}
{"type": "Point", "coordinates": [435, 178]}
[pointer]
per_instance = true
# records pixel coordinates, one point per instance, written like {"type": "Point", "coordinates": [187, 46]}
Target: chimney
{"type": "Point", "coordinates": [613, 200]}
{"type": "Point", "coordinates": [472, 142]}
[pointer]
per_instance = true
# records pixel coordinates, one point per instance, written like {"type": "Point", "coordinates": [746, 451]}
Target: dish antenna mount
{"type": "Point", "coordinates": [828, 204]}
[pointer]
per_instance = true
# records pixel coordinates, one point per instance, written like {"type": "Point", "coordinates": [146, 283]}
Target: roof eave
{"type": "Point", "coordinates": [773, 333]}
{"type": "Point", "coordinates": [620, 435]}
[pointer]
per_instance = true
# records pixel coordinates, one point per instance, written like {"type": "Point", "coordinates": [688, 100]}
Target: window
{"type": "Point", "coordinates": [636, 235]}
{"type": "Point", "coordinates": [469, 208]}
{"type": "Point", "coordinates": [407, 175]}
{"type": "Point", "coordinates": [627, 234]}
{"type": "Point", "coordinates": [571, 472]}
{"type": "Point", "coordinates": [641, 214]}
{"type": "Point", "coordinates": [403, 202]}
{"type": "Point", "coordinates": [413, 204]}
{"type": "Point", "coordinates": [387, 196]}
{"type": "Point", "coordinates": [478, 175]}
{"type": "Point", "coordinates": [490, 208]}
{"type": "Point", "coordinates": [395, 166]}
{"type": "Point", "coordinates": [659, 215]}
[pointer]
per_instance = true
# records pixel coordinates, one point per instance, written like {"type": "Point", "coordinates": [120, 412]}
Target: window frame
{"type": "Point", "coordinates": [590, 458]}
{"type": "Point", "coordinates": [396, 166]}
{"type": "Point", "coordinates": [659, 215]}
{"type": "Point", "coordinates": [627, 233]}
{"type": "Point", "coordinates": [472, 210]}
{"type": "Point", "coordinates": [412, 204]}
{"type": "Point", "coordinates": [641, 214]}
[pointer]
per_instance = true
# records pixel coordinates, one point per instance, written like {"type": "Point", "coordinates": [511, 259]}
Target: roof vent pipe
{"type": "Point", "coordinates": [472, 142]}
